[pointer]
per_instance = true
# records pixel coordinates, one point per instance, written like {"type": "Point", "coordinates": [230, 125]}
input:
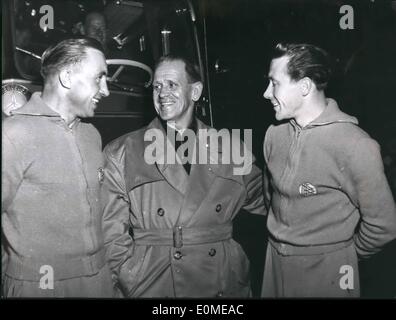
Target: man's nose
{"type": "Point", "coordinates": [163, 92]}
{"type": "Point", "coordinates": [268, 92]}
{"type": "Point", "coordinates": [104, 91]}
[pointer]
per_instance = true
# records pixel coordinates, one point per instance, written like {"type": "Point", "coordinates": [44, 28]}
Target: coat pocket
{"type": "Point", "coordinates": [240, 277]}
{"type": "Point", "coordinates": [130, 272]}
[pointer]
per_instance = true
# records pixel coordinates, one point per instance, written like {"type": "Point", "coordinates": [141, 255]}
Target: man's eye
{"type": "Point", "coordinates": [172, 85]}
{"type": "Point", "coordinates": [157, 87]}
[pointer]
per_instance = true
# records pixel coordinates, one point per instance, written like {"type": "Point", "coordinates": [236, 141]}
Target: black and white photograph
{"type": "Point", "coordinates": [224, 151]}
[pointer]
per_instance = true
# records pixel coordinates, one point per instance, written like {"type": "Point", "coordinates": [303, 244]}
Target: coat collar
{"type": "Point", "coordinates": [139, 172]}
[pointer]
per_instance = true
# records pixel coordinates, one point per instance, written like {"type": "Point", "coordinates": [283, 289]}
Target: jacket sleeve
{"type": "Point", "coordinates": [116, 209]}
{"type": "Point", "coordinates": [11, 172]}
{"type": "Point", "coordinates": [12, 175]}
{"type": "Point", "coordinates": [267, 188]}
{"type": "Point", "coordinates": [373, 197]}
{"type": "Point", "coordinates": [253, 182]}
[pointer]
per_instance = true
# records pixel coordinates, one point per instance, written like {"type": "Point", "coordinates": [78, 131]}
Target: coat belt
{"type": "Point", "coordinates": [25, 268]}
{"type": "Point", "coordinates": [285, 249]}
{"type": "Point", "coordinates": [179, 235]}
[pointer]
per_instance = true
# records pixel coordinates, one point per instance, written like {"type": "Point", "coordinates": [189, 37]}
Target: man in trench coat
{"type": "Point", "coordinates": [168, 225]}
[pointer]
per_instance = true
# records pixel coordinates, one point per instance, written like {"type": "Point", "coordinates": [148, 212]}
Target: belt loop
{"type": "Point", "coordinates": [178, 237]}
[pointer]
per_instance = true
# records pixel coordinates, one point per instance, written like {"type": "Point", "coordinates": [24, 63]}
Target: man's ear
{"type": "Point", "coordinates": [65, 78]}
{"type": "Point", "coordinates": [306, 86]}
{"type": "Point", "coordinates": [197, 88]}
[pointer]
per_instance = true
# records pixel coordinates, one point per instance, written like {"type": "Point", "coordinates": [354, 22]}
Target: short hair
{"type": "Point", "coordinates": [305, 60]}
{"type": "Point", "coordinates": [65, 53]}
{"type": "Point", "coordinates": [192, 70]}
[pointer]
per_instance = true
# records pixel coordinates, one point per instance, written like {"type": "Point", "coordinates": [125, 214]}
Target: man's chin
{"type": "Point", "coordinates": [279, 117]}
{"type": "Point", "coordinates": [165, 116]}
{"type": "Point", "coordinates": [89, 114]}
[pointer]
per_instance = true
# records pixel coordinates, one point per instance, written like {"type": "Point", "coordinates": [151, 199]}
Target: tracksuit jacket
{"type": "Point", "coordinates": [329, 193]}
{"type": "Point", "coordinates": [51, 177]}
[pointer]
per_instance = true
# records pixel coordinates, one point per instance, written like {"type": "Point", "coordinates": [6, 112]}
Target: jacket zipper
{"type": "Point", "coordinates": [289, 173]}
{"type": "Point", "coordinates": [91, 244]}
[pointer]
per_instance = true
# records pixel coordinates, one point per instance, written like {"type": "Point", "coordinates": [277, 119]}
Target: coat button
{"type": "Point", "coordinates": [218, 208]}
{"type": "Point", "coordinates": [160, 212]}
{"type": "Point", "coordinates": [212, 252]}
{"type": "Point", "coordinates": [177, 255]}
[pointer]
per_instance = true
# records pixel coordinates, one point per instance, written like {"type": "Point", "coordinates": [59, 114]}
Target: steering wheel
{"type": "Point", "coordinates": [131, 63]}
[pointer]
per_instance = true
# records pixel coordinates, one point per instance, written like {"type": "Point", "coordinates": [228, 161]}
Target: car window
{"type": "Point", "coordinates": [133, 33]}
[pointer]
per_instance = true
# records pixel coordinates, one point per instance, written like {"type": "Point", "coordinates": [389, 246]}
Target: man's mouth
{"type": "Point", "coordinates": [166, 105]}
{"type": "Point", "coordinates": [276, 105]}
{"type": "Point", "coordinates": [95, 101]}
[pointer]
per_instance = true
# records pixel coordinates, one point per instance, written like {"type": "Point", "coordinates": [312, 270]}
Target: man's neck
{"type": "Point", "coordinates": [312, 109]}
{"type": "Point", "coordinates": [176, 127]}
{"type": "Point", "coordinates": [56, 103]}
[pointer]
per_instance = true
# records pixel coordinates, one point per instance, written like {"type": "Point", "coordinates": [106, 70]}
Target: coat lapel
{"type": "Point", "coordinates": [176, 176]}
{"type": "Point", "coordinates": [137, 170]}
{"type": "Point", "coordinates": [173, 172]}
{"type": "Point", "coordinates": [200, 180]}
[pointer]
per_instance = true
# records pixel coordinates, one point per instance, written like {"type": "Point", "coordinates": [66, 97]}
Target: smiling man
{"type": "Point", "coordinates": [168, 226]}
{"type": "Point", "coordinates": [51, 175]}
{"type": "Point", "coordinates": [331, 202]}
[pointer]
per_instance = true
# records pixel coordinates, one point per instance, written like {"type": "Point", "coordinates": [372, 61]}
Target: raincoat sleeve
{"type": "Point", "coordinates": [373, 197]}
{"type": "Point", "coordinates": [118, 242]}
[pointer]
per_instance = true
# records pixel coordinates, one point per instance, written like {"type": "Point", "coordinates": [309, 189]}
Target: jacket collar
{"type": "Point", "coordinates": [36, 107]}
{"type": "Point", "coordinates": [331, 114]}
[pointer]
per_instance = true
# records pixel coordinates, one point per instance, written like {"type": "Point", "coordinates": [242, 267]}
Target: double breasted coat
{"type": "Point", "coordinates": [169, 233]}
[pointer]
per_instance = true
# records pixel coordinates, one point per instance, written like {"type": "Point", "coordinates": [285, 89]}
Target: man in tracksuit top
{"type": "Point", "coordinates": [52, 169]}
{"type": "Point", "coordinates": [330, 201]}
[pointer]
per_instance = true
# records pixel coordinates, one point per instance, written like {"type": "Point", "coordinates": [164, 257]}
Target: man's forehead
{"type": "Point", "coordinates": [95, 58]}
{"type": "Point", "coordinates": [278, 66]}
{"type": "Point", "coordinates": [92, 53]}
{"type": "Point", "coordinates": [171, 70]}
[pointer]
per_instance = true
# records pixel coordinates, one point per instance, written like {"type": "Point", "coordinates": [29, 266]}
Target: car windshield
{"type": "Point", "coordinates": [133, 33]}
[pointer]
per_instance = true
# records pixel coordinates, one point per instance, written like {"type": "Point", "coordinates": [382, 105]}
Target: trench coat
{"type": "Point", "coordinates": [169, 234]}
